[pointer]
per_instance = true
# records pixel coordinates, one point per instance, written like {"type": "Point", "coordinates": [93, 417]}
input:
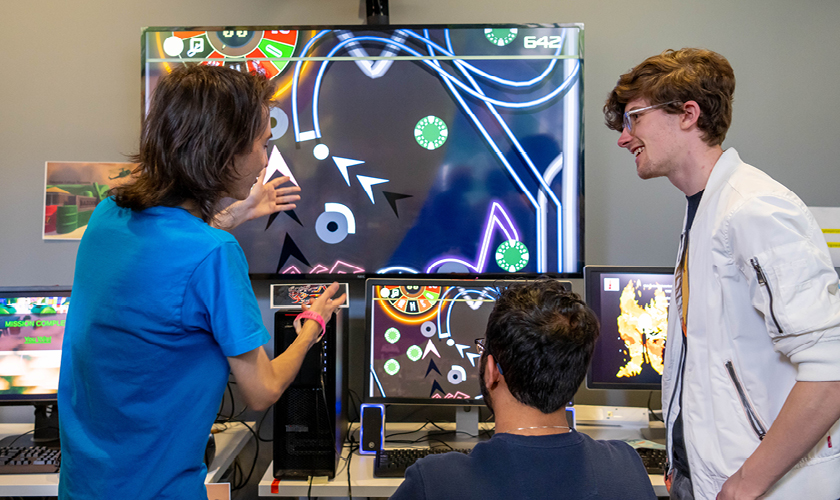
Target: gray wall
{"type": "Point", "coordinates": [70, 91]}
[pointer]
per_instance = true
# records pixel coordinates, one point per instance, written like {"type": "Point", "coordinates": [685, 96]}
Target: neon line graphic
{"type": "Point", "coordinates": [502, 81]}
{"type": "Point", "coordinates": [464, 81]}
{"type": "Point", "coordinates": [555, 167]}
{"type": "Point", "coordinates": [447, 333]}
{"type": "Point", "coordinates": [376, 379]}
{"type": "Point", "coordinates": [496, 217]}
{"type": "Point", "coordinates": [542, 246]}
{"type": "Point", "coordinates": [559, 91]}
{"type": "Point", "coordinates": [397, 270]}
{"type": "Point", "coordinates": [320, 268]}
{"type": "Point", "coordinates": [355, 269]}
{"type": "Point", "coordinates": [371, 69]}
{"type": "Point", "coordinates": [492, 144]}
{"type": "Point", "coordinates": [295, 79]}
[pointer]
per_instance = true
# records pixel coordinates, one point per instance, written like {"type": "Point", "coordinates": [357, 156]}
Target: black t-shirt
{"type": "Point", "coordinates": [680, 456]}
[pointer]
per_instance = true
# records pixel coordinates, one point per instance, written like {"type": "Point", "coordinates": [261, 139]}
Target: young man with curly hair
{"type": "Point", "coordinates": [751, 389]}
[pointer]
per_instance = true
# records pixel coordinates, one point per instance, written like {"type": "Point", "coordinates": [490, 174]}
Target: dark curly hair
{"type": "Point", "coordinates": [200, 118]}
{"type": "Point", "coordinates": [681, 75]}
{"type": "Point", "coordinates": [542, 337]}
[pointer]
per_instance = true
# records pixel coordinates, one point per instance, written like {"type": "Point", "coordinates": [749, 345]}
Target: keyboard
{"type": "Point", "coordinates": [29, 460]}
{"type": "Point", "coordinates": [394, 461]}
{"type": "Point", "coordinates": [654, 460]}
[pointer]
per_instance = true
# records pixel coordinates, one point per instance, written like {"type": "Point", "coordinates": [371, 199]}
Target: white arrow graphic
{"type": "Point", "coordinates": [367, 182]}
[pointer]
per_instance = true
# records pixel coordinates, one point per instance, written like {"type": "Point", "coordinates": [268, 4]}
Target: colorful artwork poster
{"type": "Point", "coordinates": [71, 192]}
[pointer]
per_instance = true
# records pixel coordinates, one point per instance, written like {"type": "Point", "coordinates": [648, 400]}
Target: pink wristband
{"type": "Point", "coordinates": [310, 314]}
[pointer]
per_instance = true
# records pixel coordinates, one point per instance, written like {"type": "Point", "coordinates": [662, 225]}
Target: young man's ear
{"type": "Point", "coordinates": [492, 375]}
{"type": "Point", "coordinates": [690, 115]}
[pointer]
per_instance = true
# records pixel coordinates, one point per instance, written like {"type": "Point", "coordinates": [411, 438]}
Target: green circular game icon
{"type": "Point", "coordinates": [502, 36]}
{"type": "Point", "coordinates": [512, 256]}
{"type": "Point", "coordinates": [392, 335]}
{"type": "Point", "coordinates": [414, 353]}
{"type": "Point", "coordinates": [431, 132]}
{"type": "Point", "coordinates": [392, 366]}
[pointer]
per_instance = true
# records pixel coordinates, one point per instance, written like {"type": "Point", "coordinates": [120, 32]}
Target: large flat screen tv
{"type": "Point", "coordinates": [418, 149]}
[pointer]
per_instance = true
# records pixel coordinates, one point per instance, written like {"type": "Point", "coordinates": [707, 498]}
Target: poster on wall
{"type": "Point", "coordinates": [72, 189]}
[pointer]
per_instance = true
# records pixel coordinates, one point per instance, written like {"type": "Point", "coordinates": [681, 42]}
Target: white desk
{"type": "Point", "coordinates": [365, 485]}
{"type": "Point", "coordinates": [228, 445]}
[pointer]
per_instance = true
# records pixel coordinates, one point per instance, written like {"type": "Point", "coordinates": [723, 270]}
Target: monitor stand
{"type": "Point", "coordinates": [466, 423]}
{"type": "Point", "coordinates": [46, 423]}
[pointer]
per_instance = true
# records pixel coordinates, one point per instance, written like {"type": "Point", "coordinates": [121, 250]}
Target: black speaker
{"type": "Point", "coordinates": [372, 434]}
{"type": "Point", "coordinates": [309, 419]}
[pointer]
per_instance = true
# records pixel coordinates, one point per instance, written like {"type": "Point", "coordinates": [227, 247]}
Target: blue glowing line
{"type": "Point", "coordinates": [563, 88]}
{"type": "Point", "coordinates": [491, 142]}
{"type": "Point", "coordinates": [376, 379]}
{"type": "Point", "coordinates": [482, 293]}
{"type": "Point", "coordinates": [399, 269]}
{"type": "Point", "coordinates": [540, 179]}
{"type": "Point", "coordinates": [507, 130]}
{"type": "Point", "coordinates": [441, 302]}
{"type": "Point", "coordinates": [502, 81]}
{"type": "Point", "coordinates": [295, 81]}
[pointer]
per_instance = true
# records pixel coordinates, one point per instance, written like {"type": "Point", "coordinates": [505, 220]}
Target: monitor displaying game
{"type": "Point", "coordinates": [632, 306]}
{"type": "Point", "coordinates": [418, 149]}
{"type": "Point", "coordinates": [31, 336]}
{"type": "Point", "coordinates": [420, 339]}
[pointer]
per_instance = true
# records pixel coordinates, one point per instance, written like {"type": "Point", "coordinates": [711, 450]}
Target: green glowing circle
{"type": "Point", "coordinates": [392, 335]}
{"type": "Point", "coordinates": [512, 256]}
{"type": "Point", "coordinates": [414, 353]}
{"type": "Point", "coordinates": [431, 132]}
{"type": "Point", "coordinates": [502, 36]}
{"type": "Point", "coordinates": [392, 366]}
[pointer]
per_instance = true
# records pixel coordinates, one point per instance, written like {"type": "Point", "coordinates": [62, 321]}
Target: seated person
{"type": "Point", "coordinates": [537, 348]}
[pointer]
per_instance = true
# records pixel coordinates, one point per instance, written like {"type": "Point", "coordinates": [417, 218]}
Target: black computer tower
{"type": "Point", "coordinates": [310, 423]}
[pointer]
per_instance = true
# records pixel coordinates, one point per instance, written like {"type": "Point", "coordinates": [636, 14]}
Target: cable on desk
{"type": "Point", "coordinates": [407, 432]}
{"type": "Point", "coordinates": [254, 463]}
{"type": "Point", "coordinates": [650, 410]}
{"type": "Point", "coordinates": [20, 436]}
{"type": "Point", "coordinates": [259, 426]}
{"type": "Point", "coordinates": [219, 413]}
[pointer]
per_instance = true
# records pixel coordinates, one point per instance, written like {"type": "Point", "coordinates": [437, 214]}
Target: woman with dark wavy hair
{"type": "Point", "coordinates": [163, 309]}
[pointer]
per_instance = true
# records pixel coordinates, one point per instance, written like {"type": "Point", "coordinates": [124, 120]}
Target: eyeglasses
{"type": "Point", "coordinates": [479, 346]}
{"type": "Point", "coordinates": [628, 123]}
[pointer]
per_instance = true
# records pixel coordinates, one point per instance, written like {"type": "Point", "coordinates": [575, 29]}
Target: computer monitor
{"type": "Point", "coordinates": [424, 149]}
{"type": "Point", "coordinates": [420, 339]}
{"type": "Point", "coordinates": [632, 306]}
{"type": "Point", "coordinates": [31, 335]}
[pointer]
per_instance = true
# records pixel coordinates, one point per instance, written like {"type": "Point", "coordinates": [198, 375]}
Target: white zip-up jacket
{"type": "Point", "coordinates": [763, 313]}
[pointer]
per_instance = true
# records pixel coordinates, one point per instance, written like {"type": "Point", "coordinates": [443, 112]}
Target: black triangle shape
{"type": "Point", "coordinates": [432, 366]}
{"type": "Point", "coordinates": [392, 200]}
{"type": "Point", "coordinates": [436, 387]}
{"type": "Point", "coordinates": [290, 213]}
{"type": "Point", "coordinates": [290, 249]}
